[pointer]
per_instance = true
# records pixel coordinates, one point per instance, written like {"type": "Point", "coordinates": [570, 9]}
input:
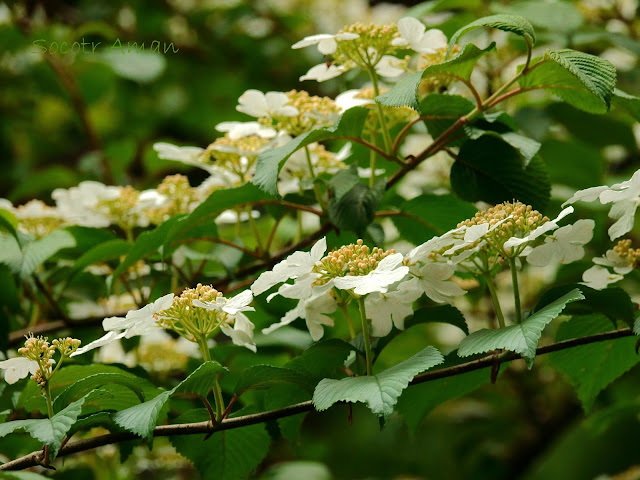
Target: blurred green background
{"type": "Point", "coordinates": [65, 118]}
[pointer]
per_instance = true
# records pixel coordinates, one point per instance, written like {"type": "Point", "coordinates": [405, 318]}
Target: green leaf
{"type": "Point", "coordinates": [490, 170]}
{"type": "Point", "coordinates": [508, 23]}
{"type": "Point", "coordinates": [39, 251]}
{"type": "Point", "coordinates": [405, 92]}
{"type": "Point", "coordinates": [562, 17]}
{"type": "Point", "coordinates": [49, 431]}
{"type": "Point", "coordinates": [86, 384]}
{"type": "Point", "coordinates": [146, 244]}
{"type": "Point", "coordinates": [380, 392]}
{"type": "Point", "coordinates": [10, 253]}
{"type": "Point", "coordinates": [436, 314]}
{"type": "Point", "coordinates": [441, 111]}
{"type": "Point", "coordinates": [591, 368]}
{"type": "Point", "coordinates": [322, 359]}
{"type": "Point", "coordinates": [141, 419]}
{"type": "Point", "coordinates": [226, 455]}
{"type": "Point", "coordinates": [520, 338]}
{"type": "Point", "coordinates": [585, 81]}
{"type": "Point", "coordinates": [356, 209]}
{"type": "Point", "coordinates": [612, 302]}
{"type": "Point", "coordinates": [344, 181]}
{"type": "Point", "coordinates": [123, 397]}
{"type": "Point", "coordinates": [109, 250]}
{"type": "Point", "coordinates": [525, 146]}
{"type": "Point", "coordinates": [416, 403]}
{"type": "Point", "coordinates": [9, 223]}
{"type": "Point", "coordinates": [628, 102]}
{"type": "Point", "coordinates": [214, 205]}
{"type": "Point", "coordinates": [430, 215]}
{"type": "Point", "coordinates": [271, 162]}
{"type": "Point", "coordinates": [266, 376]}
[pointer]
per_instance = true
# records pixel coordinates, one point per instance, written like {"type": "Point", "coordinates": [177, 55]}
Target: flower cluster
{"type": "Point", "coordinates": [196, 314]}
{"type": "Point", "coordinates": [37, 359]}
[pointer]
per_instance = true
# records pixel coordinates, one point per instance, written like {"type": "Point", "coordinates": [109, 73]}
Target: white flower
{"type": "Point", "coordinates": [391, 308]}
{"type": "Point", "coordinates": [323, 72]}
{"type": "Point", "coordinates": [272, 104]}
{"type": "Point", "coordinates": [167, 151]}
{"type": "Point", "coordinates": [314, 311]}
{"type": "Point", "coordinates": [295, 265]}
{"type": "Point", "coordinates": [242, 332]}
{"type": "Point", "coordinates": [108, 338]}
{"type": "Point", "coordinates": [599, 277]}
{"type": "Point", "coordinates": [472, 234]}
{"type": "Point", "coordinates": [136, 322]}
{"type": "Point", "coordinates": [232, 217]}
{"type": "Point", "coordinates": [236, 130]}
{"type": "Point", "coordinates": [625, 197]}
{"type": "Point", "coordinates": [151, 199]}
{"type": "Point", "coordinates": [232, 306]}
{"type": "Point", "coordinates": [433, 280]}
{"type": "Point", "coordinates": [541, 230]}
{"type": "Point", "coordinates": [565, 245]}
{"type": "Point", "coordinates": [612, 259]}
{"type": "Point", "coordinates": [389, 271]}
{"type": "Point", "coordinates": [79, 204]}
{"type": "Point", "coordinates": [422, 252]}
{"type": "Point", "coordinates": [17, 368]}
{"type": "Point", "coordinates": [413, 34]}
{"type": "Point", "coordinates": [389, 66]}
{"type": "Point", "coordinates": [350, 99]}
{"type": "Point", "coordinates": [327, 43]}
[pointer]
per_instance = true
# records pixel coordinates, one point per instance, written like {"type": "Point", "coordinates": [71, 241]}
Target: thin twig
{"type": "Point", "coordinates": [36, 458]}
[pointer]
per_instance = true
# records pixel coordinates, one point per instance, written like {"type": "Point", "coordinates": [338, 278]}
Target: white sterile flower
{"type": "Point", "coordinates": [314, 311]}
{"type": "Point", "coordinates": [414, 35]}
{"type": "Point", "coordinates": [258, 104]}
{"type": "Point", "coordinates": [613, 259]}
{"type": "Point", "coordinates": [422, 252]}
{"type": "Point", "coordinates": [624, 196]}
{"type": "Point", "coordinates": [391, 308]}
{"type": "Point", "coordinates": [78, 204]}
{"type": "Point", "coordinates": [294, 266]}
{"type": "Point", "coordinates": [242, 331]}
{"type": "Point", "coordinates": [152, 199]}
{"type": "Point", "coordinates": [232, 217]}
{"type": "Point", "coordinates": [327, 43]}
{"type": "Point", "coordinates": [350, 99]}
{"type": "Point", "coordinates": [237, 130]}
{"type": "Point", "coordinates": [389, 271]}
{"type": "Point", "coordinates": [17, 368]}
{"type": "Point", "coordinates": [232, 306]}
{"type": "Point", "coordinates": [323, 72]}
{"type": "Point", "coordinates": [434, 280]}
{"type": "Point", "coordinates": [110, 337]}
{"type": "Point", "coordinates": [474, 233]}
{"type": "Point", "coordinates": [566, 245]}
{"type": "Point", "coordinates": [599, 277]}
{"type": "Point", "coordinates": [389, 66]}
{"type": "Point", "coordinates": [538, 232]}
{"type": "Point", "coordinates": [136, 322]}
{"type": "Point", "coordinates": [168, 151]}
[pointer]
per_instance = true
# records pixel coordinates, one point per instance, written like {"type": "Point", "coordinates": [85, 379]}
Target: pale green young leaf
{"type": "Point", "coordinates": [379, 392]}
{"type": "Point", "coordinates": [86, 384]}
{"type": "Point", "coordinates": [520, 338]}
{"type": "Point", "coordinates": [39, 251]}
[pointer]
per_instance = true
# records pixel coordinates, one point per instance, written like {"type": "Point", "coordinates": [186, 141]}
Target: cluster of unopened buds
{"type": "Point", "coordinates": [39, 351]}
{"type": "Point", "coordinates": [627, 253]}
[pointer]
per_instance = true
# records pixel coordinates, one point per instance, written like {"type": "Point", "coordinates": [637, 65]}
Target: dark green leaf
{"type": "Point", "coordinates": [591, 368]}
{"type": "Point", "coordinates": [508, 23]}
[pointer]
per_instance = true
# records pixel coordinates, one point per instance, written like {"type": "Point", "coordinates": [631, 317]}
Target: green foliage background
{"type": "Point", "coordinates": [62, 120]}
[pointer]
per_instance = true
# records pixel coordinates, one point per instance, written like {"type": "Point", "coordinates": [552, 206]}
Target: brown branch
{"type": "Point", "coordinates": [36, 458]}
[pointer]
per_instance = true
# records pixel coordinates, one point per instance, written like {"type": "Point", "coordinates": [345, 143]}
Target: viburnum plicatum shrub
{"type": "Point", "coordinates": [196, 269]}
